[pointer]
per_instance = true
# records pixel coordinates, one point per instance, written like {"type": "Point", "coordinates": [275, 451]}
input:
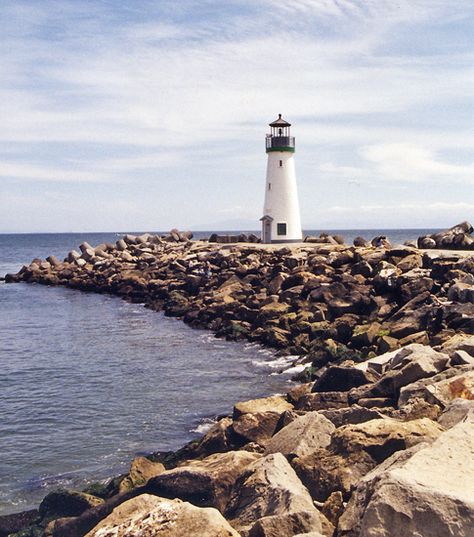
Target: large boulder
{"type": "Point", "coordinates": [429, 492]}
{"type": "Point", "coordinates": [152, 516]}
{"type": "Point", "coordinates": [408, 365]}
{"type": "Point", "coordinates": [381, 438]}
{"type": "Point", "coordinates": [302, 436]}
{"type": "Point", "coordinates": [355, 450]}
{"type": "Point", "coordinates": [206, 482]}
{"type": "Point", "coordinates": [270, 501]}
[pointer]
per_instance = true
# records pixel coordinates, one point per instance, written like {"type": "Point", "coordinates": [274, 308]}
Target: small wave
{"type": "Point", "coordinates": [204, 426]}
{"type": "Point", "coordinates": [291, 370]}
{"type": "Point", "coordinates": [281, 363]}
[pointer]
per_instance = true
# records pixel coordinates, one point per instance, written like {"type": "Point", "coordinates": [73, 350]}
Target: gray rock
{"type": "Point", "coordinates": [353, 414]}
{"type": "Point", "coordinates": [302, 436]}
{"type": "Point", "coordinates": [461, 292]}
{"type": "Point", "coordinates": [85, 246]}
{"type": "Point", "coordinates": [443, 392]}
{"type": "Point", "coordinates": [418, 388]}
{"type": "Point", "coordinates": [206, 482]}
{"type": "Point", "coordinates": [459, 342]}
{"type": "Point", "coordinates": [462, 358]}
{"type": "Point", "coordinates": [148, 515]}
{"type": "Point", "coordinates": [269, 500]}
{"type": "Point", "coordinates": [457, 411]}
{"type": "Point", "coordinates": [429, 492]}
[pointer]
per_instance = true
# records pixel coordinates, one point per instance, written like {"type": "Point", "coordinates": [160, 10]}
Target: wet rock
{"type": "Point", "coordinates": [141, 471]}
{"type": "Point", "coordinates": [360, 242]}
{"type": "Point", "coordinates": [302, 436]}
{"type": "Point", "coordinates": [10, 524]}
{"type": "Point", "coordinates": [217, 439]}
{"type": "Point", "coordinates": [427, 492]}
{"type": "Point", "coordinates": [148, 515]}
{"type": "Point", "coordinates": [341, 379]}
{"type": "Point", "coordinates": [66, 503]}
{"type": "Point", "coordinates": [269, 500]}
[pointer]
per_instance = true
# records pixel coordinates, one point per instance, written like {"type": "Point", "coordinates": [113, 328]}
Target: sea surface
{"type": "Point", "coordinates": [88, 381]}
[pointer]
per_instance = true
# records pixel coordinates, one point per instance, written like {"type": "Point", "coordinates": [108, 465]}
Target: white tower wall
{"type": "Point", "coordinates": [281, 198]}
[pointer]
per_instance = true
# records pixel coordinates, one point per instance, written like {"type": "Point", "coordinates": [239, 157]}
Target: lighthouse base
{"type": "Point", "coordinates": [285, 241]}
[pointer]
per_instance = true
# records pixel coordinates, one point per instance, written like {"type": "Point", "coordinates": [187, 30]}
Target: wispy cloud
{"type": "Point", "coordinates": [164, 91]}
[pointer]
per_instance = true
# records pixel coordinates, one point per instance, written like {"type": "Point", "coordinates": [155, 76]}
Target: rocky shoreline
{"type": "Point", "coordinates": [378, 440]}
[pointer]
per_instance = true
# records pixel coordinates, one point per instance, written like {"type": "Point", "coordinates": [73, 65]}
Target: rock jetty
{"type": "Point", "coordinates": [459, 237]}
{"type": "Point", "coordinates": [376, 440]}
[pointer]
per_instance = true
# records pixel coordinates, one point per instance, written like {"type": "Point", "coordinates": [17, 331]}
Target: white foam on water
{"type": "Point", "coordinates": [280, 363]}
{"type": "Point", "coordinates": [292, 370]}
{"type": "Point", "coordinates": [205, 425]}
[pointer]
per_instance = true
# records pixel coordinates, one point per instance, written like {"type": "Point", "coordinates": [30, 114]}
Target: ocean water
{"type": "Point", "coordinates": [88, 381]}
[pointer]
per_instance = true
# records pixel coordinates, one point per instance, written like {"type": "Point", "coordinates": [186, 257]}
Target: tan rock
{"type": "Point", "coordinates": [141, 470]}
{"type": "Point", "coordinates": [324, 472]}
{"type": "Point", "coordinates": [275, 403]}
{"type": "Point", "coordinates": [152, 516]}
{"type": "Point", "coordinates": [380, 438]}
{"type": "Point", "coordinates": [333, 507]}
{"type": "Point", "coordinates": [217, 438]}
{"type": "Point", "coordinates": [461, 342]}
{"type": "Point", "coordinates": [256, 427]}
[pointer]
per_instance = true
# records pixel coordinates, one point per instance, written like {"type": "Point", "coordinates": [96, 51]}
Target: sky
{"type": "Point", "coordinates": [151, 114]}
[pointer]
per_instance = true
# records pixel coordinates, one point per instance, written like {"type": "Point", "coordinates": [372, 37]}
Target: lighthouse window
{"type": "Point", "coordinates": [281, 228]}
{"type": "Point", "coordinates": [269, 186]}
{"type": "Point", "coordinates": [281, 163]}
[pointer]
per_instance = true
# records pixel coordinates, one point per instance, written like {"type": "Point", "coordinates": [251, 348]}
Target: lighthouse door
{"type": "Point", "coordinates": [267, 230]}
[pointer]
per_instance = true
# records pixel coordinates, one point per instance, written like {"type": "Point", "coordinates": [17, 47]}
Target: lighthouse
{"type": "Point", "coordinates": [281, 220]}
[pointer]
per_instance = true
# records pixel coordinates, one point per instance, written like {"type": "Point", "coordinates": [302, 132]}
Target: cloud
{"type": "Point", "coordinates": [406, 162]}
{"type": "Point", "coordinates": [14, 170]}
{"type": "Point", "coordinates": [166, 92]}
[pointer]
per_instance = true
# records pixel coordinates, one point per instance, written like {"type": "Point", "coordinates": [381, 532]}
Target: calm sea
{"type": "Point", "coordinates": [88, 381]}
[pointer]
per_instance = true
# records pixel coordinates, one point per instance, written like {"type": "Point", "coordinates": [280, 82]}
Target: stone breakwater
{"type": "Point", "coordinates": [378, 440]}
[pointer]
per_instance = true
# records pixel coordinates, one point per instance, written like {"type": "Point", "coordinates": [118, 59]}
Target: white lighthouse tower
{"type": "Point", "coordinates": [281, 220]}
